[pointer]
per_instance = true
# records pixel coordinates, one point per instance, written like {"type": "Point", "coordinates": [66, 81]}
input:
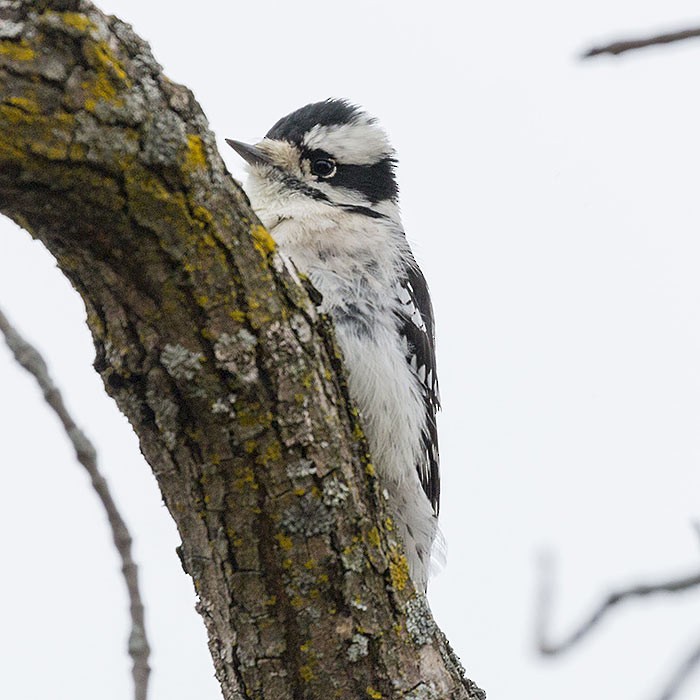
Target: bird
{"type": "Point", "coordinates": [323, 183]}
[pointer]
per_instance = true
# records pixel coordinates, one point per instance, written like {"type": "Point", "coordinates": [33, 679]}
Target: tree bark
{"type": "Point", "coordinates": [218, 358]}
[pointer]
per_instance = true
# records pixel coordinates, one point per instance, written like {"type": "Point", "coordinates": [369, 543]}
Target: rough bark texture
{"type": "Point", "coordinates": [217, 357]}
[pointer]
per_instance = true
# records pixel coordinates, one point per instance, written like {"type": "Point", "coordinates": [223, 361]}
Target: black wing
{"type": "Point", "coordinates": [417, 325]}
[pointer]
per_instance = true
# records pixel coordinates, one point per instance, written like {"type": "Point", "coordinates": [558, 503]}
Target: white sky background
{"type": "Point", "coordinates": [553, 205]}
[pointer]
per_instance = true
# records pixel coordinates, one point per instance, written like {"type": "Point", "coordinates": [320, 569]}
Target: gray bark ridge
{"type": "Point", "coordinates": [229, 377]}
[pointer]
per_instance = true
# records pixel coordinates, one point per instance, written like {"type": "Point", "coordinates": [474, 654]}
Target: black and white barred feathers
{"type": "Point", "coordinates": [322, 181]}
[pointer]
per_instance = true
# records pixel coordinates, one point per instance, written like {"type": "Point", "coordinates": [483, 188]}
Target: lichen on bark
{"type": "Point", "coordinates": [216, 355]}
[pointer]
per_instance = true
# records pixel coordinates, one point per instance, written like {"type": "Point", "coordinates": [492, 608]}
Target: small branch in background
{"type": "Point", "coordinates": [681, 675]}
{"type": "Point", "coordinates": [544, 605]}
{"type": "Point", "coordinates": [27, 356]}
{"type": "Point", "coordinates": [543, 602]}
{"type": "Point", "coordinates": [619, 47]}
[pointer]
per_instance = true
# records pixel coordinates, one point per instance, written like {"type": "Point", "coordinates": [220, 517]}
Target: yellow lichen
{"type": "Point", "coordinates": [100, 84]}
{"type": "Point", "coordinates": [195, 157]}
{"type": "Point", "coordinates": [246, 481]}
{"type": "Point", "coordinates": [262, 240]}
{"type": "Point", "coordinates": [10, 153]}
{"type": "Point", "coordinates": [77, 151]}
{"type": "Point", "coordinates": [100, 56]}
{"type": "Point", "coordinates": [25, 104]}
{"type": "Point", "coordinates": [17, 50]}
{"type": "Point", "coordinates": [251, 419]}
{"type": "Point", "coordinates": [285, 542]}
{"type": "Point", "coordinates": [370, 470]}
{"type": "Point", "coordinates": [50, 137]}
{"type": "Point", "coordinates": [373, 537]}
{"type": "Point", "coordinates": [237, 315]}
{"type": "Point", "coordinates": [372, 693]}
{"type": "Point", "coordinates": [154, 205]}
{"type": "Point", "coordinates": [77, 20]}
{"type": "Point", "coordinates": [14, 115]}
{"type": "Point", "coordinates": [99, 88]}
{"type": "Point", "coordinates": [202, 213]}
{"type": "Point", "coordinates": [206, 241]}
{"type": "Point", "coordinates": [272, 453]}
{"type": "Point", "coordinates": [306, 673]}
{"type": "Point", "coordinates": [398, 569]}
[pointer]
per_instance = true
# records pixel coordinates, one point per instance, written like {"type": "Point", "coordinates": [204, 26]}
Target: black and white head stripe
{"type": "Point", "coordinates": [338, 130]}
{"type": "Point", "coordinates": [296, 125]}
{"type": "Point", "coordinates": [416, 324]}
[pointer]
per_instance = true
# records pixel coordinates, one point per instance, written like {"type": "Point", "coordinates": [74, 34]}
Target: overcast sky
{"type": "Point", "coordinates": [553, 205]}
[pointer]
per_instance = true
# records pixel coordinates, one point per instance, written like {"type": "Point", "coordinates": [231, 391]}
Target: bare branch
{"type": "Point", "coordinates": [215, 353]}
{"type": "Point", "coordinates": [30, 358]}
{"type": "Point", "coordinates": [619, 47]}
{"type": "Point", "coordinates": [543, 602]}
{"type": "Point", "coordinates": [681, 675]}
{"type": "Point", "coordinates": [544, 605]}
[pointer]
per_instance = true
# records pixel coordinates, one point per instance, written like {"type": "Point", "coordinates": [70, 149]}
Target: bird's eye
{"type": "Point", "coordinates": [323, 167]}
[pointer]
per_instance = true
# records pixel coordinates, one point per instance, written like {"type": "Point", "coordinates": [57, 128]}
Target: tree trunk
{"type": "Point", "coordinates": [217, 356]}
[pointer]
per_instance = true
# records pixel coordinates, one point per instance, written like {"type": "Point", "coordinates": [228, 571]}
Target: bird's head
{"type": "Point", "coordinates": [328, 153]}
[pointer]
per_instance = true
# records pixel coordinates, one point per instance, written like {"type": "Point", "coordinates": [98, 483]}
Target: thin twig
{"type": "Point", "coordinates": [543, 602]}
{"type": "Point", "coordinates": [619, 47]}
{"type": "Point", "coordinates": [29, 357]}
{"type": "Point", "coordinates": [681, 675]}
{"type": "Point", "coordinates": [544, 605]}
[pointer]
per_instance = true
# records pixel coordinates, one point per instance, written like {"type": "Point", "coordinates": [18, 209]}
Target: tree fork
{"type": "Point", "coordinates": [219, 360]}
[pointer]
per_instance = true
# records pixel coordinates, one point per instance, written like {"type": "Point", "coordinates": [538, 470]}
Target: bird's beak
{"type": "Point", "coordinates": [251, 154]}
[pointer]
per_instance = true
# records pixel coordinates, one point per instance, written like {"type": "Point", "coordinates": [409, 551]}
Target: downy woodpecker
{"type": "Point", "coordinates": [322, 182]}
